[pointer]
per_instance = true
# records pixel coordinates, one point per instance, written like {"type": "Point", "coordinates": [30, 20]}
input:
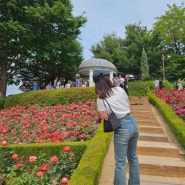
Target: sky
{"type": "Point", "coordinates": [111, 16]}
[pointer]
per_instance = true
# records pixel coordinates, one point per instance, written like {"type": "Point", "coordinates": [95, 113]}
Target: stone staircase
{"type": "Point", "coordinates": [158, 154]}
{"type": "Point", "coordinates": [161, 157]}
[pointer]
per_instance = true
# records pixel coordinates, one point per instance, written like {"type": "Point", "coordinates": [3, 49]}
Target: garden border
{"type": "Point", "coordinates": [176, 124]}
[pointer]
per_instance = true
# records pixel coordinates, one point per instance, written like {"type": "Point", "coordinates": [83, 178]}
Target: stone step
{"type": "Point", "coordinates": [153, 137]}
{"type": "Point", "coordinates": [147, 122]}
{"type": "Point", "coordinates": [162, 166]}
{"type": "Point", "coordinates": [160, 149]}
{"type": "Point", "coordinates": [159, 180]}
{"type": "Point", "coordinates": [145, 117]}
{"type": "Point", "coordinates": [141, 112]}
{"type": "Point", "coordinates": [151, 129]}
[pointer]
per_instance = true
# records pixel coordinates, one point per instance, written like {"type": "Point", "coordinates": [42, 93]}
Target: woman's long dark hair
{"type": "Point", "coordinates": [103, 88]}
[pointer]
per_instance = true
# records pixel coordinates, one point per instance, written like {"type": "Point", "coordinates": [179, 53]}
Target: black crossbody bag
{"type": "Point", "coordinates": [112, 123]}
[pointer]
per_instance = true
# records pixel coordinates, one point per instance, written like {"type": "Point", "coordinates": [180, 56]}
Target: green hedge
{"type": "Point", "coordinates": [176, 124]}
{"type": "Point", "coordinates": [51, 97]}
{"type": "Point", "coordinates": [140, 88]}
{"type": "Point", "coordinates": [50, 149]}
{"type": "Point", "coordinates": [90, 166]}
{"type": "Point", "coordinates": [65, 96]}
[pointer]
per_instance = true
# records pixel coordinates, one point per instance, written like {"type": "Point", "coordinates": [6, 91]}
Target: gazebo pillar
{"type": "Point", "coordinates": [90, 78]}
{"type": "Point", "coordinates": [111, 75]}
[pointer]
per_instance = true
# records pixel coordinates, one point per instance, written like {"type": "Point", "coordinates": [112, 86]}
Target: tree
{"type": "Point", "coordinates": [144, 68]}
{"type": "Point", "coordinates": [38, 39]}
{"type": "Point", "coordinates": [154, 54]}
{"type": "Point", "coordinates": [171, 27]}
{"type": "Point", "coordinates": [124, 53]}
{"type": "Point", "coordinates": [135, 39]}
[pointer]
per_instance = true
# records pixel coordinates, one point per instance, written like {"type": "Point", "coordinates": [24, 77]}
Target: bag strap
{"type": "Point", "coordinates": [109, 107]}
{"type": "Point", "coordinates": [105, 107]}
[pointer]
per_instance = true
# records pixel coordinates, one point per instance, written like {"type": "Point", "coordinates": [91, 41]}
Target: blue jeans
{"type": "Point", "coordinates": [125, 144]}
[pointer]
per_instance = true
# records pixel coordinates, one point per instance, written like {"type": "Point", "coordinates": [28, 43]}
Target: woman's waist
{"type": "Point", "coordinates": [120, 116]}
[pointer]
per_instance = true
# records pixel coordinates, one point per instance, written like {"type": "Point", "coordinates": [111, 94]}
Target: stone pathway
{"type": "Point", "coordinates": [161, 157]}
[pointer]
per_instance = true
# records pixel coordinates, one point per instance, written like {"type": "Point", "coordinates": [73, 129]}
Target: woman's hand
{"type": "Point", "coordinates": [103, 115]}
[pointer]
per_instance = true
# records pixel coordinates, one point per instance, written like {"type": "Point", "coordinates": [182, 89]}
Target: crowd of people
{"type": "Point", "coordinates": [121, 82]}
{"type": "Point", "coordinates": [58, 83]}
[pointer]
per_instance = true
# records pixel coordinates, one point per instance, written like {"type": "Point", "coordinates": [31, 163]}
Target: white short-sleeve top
{"type": "Point", "coordinates": [118, 103]}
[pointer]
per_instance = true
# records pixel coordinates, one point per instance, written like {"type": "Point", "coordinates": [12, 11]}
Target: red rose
{"type": "Point", "coordinates": [32, 159]}
{"type": "Point", "coordinates": [54, 159]}
{"type": "Point", "coordinates": [66, 149]}
{"type": "Point", "coordinates": [39, 174]}
{"type": "Point", "coordinates": [43, 167]}
{"type": "Point", "coordinates": [15, 156]}
{"type": "Point", "coordinates": [4, 143]}
{"type": "Point", "coordinates": [64, 180]}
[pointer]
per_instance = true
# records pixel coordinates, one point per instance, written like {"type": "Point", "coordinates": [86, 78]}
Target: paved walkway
{"type": "Point", "coordinates": [161, 157]}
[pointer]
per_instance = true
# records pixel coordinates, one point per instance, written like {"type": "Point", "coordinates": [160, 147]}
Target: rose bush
{"type": "Point", "coordinates": [37, 124]}
{"type": "Point", "coordinates": [175, 98]}
{"type": "Point", "coordinates": [16, 170]}
{"type": "Point", "coordinates": [60, 123]}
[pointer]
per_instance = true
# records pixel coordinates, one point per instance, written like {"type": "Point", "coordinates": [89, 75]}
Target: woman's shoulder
{"type": "Point", "coordinates": [117, 88]}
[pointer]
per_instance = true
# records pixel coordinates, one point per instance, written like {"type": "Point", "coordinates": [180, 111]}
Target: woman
{"type": "Point", "coordinates": [125, 138]}
{"type": "Point", "coordinates": [179, 85]}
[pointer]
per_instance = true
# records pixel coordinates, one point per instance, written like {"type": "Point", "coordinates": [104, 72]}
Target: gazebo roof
{"type": "Point", "coordinates": [96, 64]}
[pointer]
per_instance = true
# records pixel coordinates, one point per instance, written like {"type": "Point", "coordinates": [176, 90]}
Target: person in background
{"type": "Point", "coordinates": [156, 84]}
{"type": "Point", "coordinates": [35, 85]}
{"type": "Point", "coordinates": [43, 86]}
{"type": "Point", "coordinates": [179, 85]}
{"type": "Point", "coordinates": [126, 84]}
{"type": "Point", "coordinates": [160, 83]}
{"type": "Point", "coordinates": [58, 83]}
{"type": "Point", "coordinates": [68, 84]}
{"type": "Point", "coordinates": [125, 138]}
{"type": "Point", "coordinates": [62, 84]}
{"type": "Point", "coordinates": [77, 82]}
{"type": "Point", "coordinates": [84, 83]}
{"type": "Point", "coordinates": [114, 79]}
{"type": "Point", "coordinates": [120, 81]}
{"type": "Point", "coordinates": [23, 88]}
{"type": "Point", "coordinates": [50, 86]}
{"type": "Point", "coordinates": [55, 82]}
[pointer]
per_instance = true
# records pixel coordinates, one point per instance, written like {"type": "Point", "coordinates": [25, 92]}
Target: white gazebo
{"type": "Point", "coordinates": [88, 67]}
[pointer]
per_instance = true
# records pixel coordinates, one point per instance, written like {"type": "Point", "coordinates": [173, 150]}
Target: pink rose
{"type": "Point", "coordinates": [54, 159]}
{"type": "Point", "coordinates": [64, 180]}
{"type": "Point", "coordinates": [4, 143]}
{"type": "Point", "coordinates": [15, 156]}
{"type": "Point", "coordinates": [32, 159]}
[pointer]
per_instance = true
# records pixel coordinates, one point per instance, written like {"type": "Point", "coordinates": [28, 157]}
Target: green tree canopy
{"type": "Point", "coordinates": [171, 27]}
{"type": "Point", "coordinates": [124, 53]}
{"type": "Point", "coordinates": [38, 40]}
